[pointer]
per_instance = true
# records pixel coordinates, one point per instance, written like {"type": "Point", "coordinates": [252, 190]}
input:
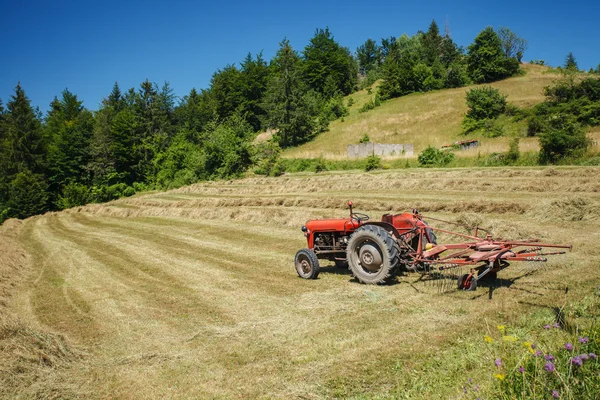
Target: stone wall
{"type": "Point", "coordinates": [364, 150]}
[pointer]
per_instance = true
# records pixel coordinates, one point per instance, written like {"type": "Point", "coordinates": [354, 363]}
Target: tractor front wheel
{"type": "Point", "coordinates": [373, 255]}
{"type": "Point", "coordinates": [307, 264]}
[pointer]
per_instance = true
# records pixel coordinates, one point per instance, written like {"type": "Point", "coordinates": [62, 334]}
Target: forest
{"type": "Point", "coordinates": [148, 138]}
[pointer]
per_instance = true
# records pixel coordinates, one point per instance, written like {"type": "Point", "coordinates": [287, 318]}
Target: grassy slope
{"type": "Point", "coordinates": [425, 119]}
{"type": "Point", "coordinates": [192, 293]}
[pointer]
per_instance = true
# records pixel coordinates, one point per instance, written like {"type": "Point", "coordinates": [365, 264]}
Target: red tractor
{"type": "Point", "coordinates": [375, 251]}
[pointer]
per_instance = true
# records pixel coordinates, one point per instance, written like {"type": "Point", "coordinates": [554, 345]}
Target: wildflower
{"type": "Point", "coordinates": [549, 367]}
{"type": "Point", "coordinates": [555, 394]}
{"type": "Point", "coordinates": [549, 357]}
{"type": "Point", "coordinates": [521, 369]}
{"type": "Point", "coordinates": [538, 353]}
{"type": "Point", "coordinates": [501, 328]}
{"type": "Point", "coordinates": [499, 376]}
{"type": "Point", "coordinates": [592, 356]}
{"type": "Point", "coordinates": [533, 346]}
{"type": "Point", "coordinates": [498, 362]}
{"type": "Point", "coordinates": [556, 325]}
{"type": "Point", "coordinates": [569, 347]}
{"type": "Point", "coordinates": [509, 339]}
{"type": "Point", "coordinates": [528, 346]}
{"type": "Point", "coordinates": [584, 357]}
{"type": "Point", "coordinates": [577, 361]}
{"type": "Point", "coordinates": [546, 326]}
{"type": "Point", "coordinates": [488, 339]}
{"type": "Point", "coordinates": [584, 339]}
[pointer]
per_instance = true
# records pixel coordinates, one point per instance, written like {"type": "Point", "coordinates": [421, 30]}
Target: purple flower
{"type": "Point", "coordinates": [549, 357]}
{"type": "Point", "coordinates": [555, 394]}
{"type": "Point", "coordinates": [556, 325]}
{"type": "Point", "coordinates": [546, 326]}
{"type": "Point", "coordinates": [549, 367]}
{"type": "Point", "coordinates": [592, 356]}
{"type": "Point", "coordinates": [538, 353]}
{"type": "Point", "coordinates": [584, 357]}
{"type": "Point", "coordinates": [498, 362]}
{"type": "Point", "coordinates": [569, 347]}
{"type": "Point", "coordinates": [521, 369]}
{"type": "Point", "coordinates": [533, 346]}
{"type": "Point", "coordinates": [576, 361]}
{"type": "Point", "coordinates": [584, 339]}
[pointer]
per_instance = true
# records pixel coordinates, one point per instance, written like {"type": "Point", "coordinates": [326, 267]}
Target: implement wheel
{"type": "Point", "coordinates": [373, 255]}
{"type": "Point", "coordinates": [307, 264]}
{"type": "Point", "coordinates": [466, 283]}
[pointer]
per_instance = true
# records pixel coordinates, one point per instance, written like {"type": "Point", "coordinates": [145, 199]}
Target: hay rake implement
{"type": "Point", "coordinates": [376, 251]}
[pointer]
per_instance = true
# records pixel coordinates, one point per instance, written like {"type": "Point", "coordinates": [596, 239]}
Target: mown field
{"type": "Point", "coordinates": [192, 293]}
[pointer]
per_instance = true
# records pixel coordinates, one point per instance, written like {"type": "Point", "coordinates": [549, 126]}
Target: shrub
{"type": "Point", "coordinates": [266, 156]}
{"type": "Point", "coordinates": [485, 103]}
{"type": "Point", "coordinates": [3, 214]}
{"type": "Point", "coordinates": [536, 125]}
{"type": "Point", "coordinates": [139, 187]}
{"type": "Point", "coordinates": [492, 129]}
{"type": "Point", "coordinates": [365, 139]}
{"type": "Point", "coordinates": [513, 151]}
{"type": "Point", "coordinates": [320, 165]}
{"type": "Point", "coordinates": [369, 105]}
{"type": "Point", "coordinates": [27, 195]}
{"type": "Point", "coordinates": [432, 157]}
{"type": "Point", "coordinates": [564, 138]}
{"type": "Point", "coordinates": [73, 195]}
{"type": "Point", "coordinates": [373, 162]}
{"type": "Point", "coordinates": [350, 102]}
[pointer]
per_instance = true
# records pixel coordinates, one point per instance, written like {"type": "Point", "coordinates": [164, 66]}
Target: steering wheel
{"type": "Point", "coordinates": [360, 217]}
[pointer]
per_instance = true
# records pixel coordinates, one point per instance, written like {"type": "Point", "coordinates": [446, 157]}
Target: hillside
{"type": "Point", "coordinates": [425, 119]}
{"type": "Point", "coordinates": [192, 293]}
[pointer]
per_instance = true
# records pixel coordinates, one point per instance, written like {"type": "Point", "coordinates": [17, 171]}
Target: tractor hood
{"type": "Point", "coordinates": [337, 225]}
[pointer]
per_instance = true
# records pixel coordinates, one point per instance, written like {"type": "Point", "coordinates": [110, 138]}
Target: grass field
{"type": "Point", "coordinates": [429, 119]}
{"type": "Point", "coordinates": [192, 293]}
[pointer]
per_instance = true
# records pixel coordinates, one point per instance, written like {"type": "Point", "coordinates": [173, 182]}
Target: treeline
{"type": "Point", "coordinates": [430, 61]}
{"type": "Point", "coordinates": [145, 137]}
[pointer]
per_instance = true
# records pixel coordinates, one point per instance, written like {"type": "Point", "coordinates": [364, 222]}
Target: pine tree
{"type": "Point", "coordinates": [69, 128]}
{"type": "Point", "coordinates": [328, 68]}
{"type": "Point", "coordinates": [486, 61]}
{"type": "Point", "coordinates": [253, 81]}
{"type": "Point", "coordinates": [369, 56]}
{"type": "Point", "coordinates": [115, 98]}
{"type": "Point", "coordinates": [571, 63]}
{"type": "Point", "coordinates": [227, 91]}
{"type": "Point", "coordinates": [288, 104]}
{"type": "Point", "coordinates": [23, 130]}
{"type": "Point", "coordinates": [432, 44]}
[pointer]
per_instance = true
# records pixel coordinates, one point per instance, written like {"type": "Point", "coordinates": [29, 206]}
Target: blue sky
{"type": "Point", "coordinates": [87, 46]}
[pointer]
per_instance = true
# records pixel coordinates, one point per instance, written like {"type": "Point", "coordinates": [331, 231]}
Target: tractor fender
{"type": "Point", "coordinates": [388, 227]}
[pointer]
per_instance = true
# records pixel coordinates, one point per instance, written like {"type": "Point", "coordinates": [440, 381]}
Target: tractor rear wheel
{"type": "Point", "coordinates": [307, 264]}
{"type": "Point", "coordinates": [373, 255]}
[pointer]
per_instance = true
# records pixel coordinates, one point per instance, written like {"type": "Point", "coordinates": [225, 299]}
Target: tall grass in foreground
{"type": "Point", "coordinates": [556, 360]}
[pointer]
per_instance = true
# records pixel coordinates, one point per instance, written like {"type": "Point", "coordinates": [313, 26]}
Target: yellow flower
{"type": "Point", "coordinates": [488, 339]}
{"type": "Point", "coordinates": [501, 328]}
{"type": "Point", "coordinates": [499, 376]}
{"type": "Point", "coordinates": [528, 347]}
{"type": "Point", "coordinates": [509, 339]}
